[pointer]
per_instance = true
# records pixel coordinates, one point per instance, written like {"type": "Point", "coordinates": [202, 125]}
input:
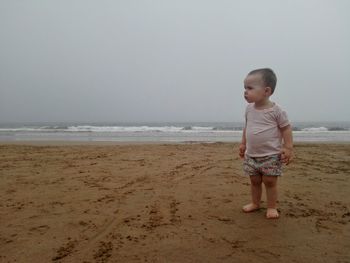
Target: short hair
{"type": "Point", "coordinates": [268, 76]}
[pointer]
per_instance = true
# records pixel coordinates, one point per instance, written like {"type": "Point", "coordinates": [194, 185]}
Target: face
{"type": "Point", "coordinates": [255, 90]}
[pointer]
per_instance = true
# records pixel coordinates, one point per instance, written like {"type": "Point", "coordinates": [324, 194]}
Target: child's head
{"type": "Point", "coordinates": [259, 84]}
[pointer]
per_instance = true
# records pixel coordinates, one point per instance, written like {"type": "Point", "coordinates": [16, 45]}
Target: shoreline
{"type": "Point", "coordinates": [106, 143]}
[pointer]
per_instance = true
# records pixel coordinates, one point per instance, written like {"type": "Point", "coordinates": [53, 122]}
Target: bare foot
{"type": "Point", "coordinates": [272, 213]}
{"type": "Point", "coordinates": [250, 208]}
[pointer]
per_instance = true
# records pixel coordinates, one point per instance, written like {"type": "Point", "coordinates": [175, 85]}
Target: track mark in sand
{"type": "Point", "coordinates": [207, 168]}
{"type": "Point", "coordinates": [173, 209]}
{"type": "Point", "coordinates": [141, 161]}
{"type": "Point", "coordinates": [104, 248]}
{"type": "Point", "coordinates": [341, 215]}
{"type": "Point", "coordinates": [40, 229]}
{"type": "Point", "coordinates": [262, 253]}
{"type": "Point", "coordinates": [189, 176]}
{"type": "Point", "coordinates": [161, 216]}
{"type": "Point", "coordinates": [195, 167]}
{"type": "Point", "coordinates": [330, 218]}
{"type": "Point", "coordinates": [128, 184]}
{"type": "Point", "coordinates": [323, 223]}
{"type": "Point", "coordinates": [297, 212]}
{"type": "Point", "coordinates": [226, 200]}
{"type": "Point", "coordinates": [106, 199]}
{"type": "Point", "coordinates": [175, 171]}
{"type": "Point", "coordinates": [104, 251]}
{"type": "Point", "coordinates": [106, 229]}
{"type": "Point", "coordinates": [155, 218]}
{"type": "Point", "coordinates": [16, 205]}
{"type": "Point", "coordinates": [181, 165]}
{"type": "Point", "coordinates": [55, 203]}
{"type": "Point", "coordinates": [65, 250]}
{"type": "Point", "coordinates": [346, 215]}
{"type": "Point", "coordinates": [224, 219]}
{"type": "Point", "coordinates": [6, 240]}
{"type": "Point", "coordinates": [235, 243]}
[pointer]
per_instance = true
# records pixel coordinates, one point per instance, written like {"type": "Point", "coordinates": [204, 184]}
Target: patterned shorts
{"type": "Point", "coordinates": [266, 166]}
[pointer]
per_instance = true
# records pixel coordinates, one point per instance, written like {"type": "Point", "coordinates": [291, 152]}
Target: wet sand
{"type": "Point", "coordinates": [102, 202]}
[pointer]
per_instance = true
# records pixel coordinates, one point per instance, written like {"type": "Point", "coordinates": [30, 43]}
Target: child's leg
{"type": "Point", "coordinates": [270, 183]}
{"type": "Point", "coordinates": [256, 190]}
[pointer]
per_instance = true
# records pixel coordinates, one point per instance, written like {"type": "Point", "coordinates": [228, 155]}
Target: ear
{"type": "Point", "coordinates": [268, 90]}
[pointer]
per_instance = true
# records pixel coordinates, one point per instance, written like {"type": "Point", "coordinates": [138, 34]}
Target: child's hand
{"type": "Point", "coordinates": [286, 155]}
{"type": "Point", "coordinates": [242, 149]}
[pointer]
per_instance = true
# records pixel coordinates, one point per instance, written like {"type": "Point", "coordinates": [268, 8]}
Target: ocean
{"type": "Point", "coordinates": [162, 131]}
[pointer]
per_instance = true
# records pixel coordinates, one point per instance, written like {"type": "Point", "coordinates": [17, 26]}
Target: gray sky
{"type": "Point", "coordinates": [181, 60]}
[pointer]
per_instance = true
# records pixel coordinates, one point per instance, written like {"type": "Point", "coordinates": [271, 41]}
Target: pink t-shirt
{"type": "Point", "coordinates": [262, 130]}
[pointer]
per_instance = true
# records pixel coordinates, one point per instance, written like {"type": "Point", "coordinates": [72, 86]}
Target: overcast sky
{"type": "Point", "coordinates": [170, 60]}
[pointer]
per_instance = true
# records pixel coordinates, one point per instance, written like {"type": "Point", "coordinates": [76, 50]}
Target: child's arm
{"type": "Point", "coordinates": [242, 147]}
{"type": "Point", "coordinates": [287, 149]}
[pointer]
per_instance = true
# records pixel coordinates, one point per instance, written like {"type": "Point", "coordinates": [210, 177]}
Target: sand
{"type": "Point", "coordinates": [168, 203]}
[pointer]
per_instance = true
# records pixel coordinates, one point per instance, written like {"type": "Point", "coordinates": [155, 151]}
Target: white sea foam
{"type": "Point", "coordinates": [315, 129]}
{"type": "Point", "coordinates": [155, 129]}
{"type": "Point", "coordinates": [89, 128]}
{"type": "Point", "coordinates": [163, 132]}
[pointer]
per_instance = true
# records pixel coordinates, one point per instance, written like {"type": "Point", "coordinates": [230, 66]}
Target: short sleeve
{"type": "Point", "coordinates": [282, 118]}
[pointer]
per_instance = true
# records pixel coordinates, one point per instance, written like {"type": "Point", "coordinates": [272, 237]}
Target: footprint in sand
{"type": "Point", "coordinates": [65, 250]}
{"type": "Point", "coordinates": [173, 209]}
{"type": "Point", "coordinates": [155, 217]}
{"type": "Point", "coordinates": [104, 251]}
{"type": "Point", "coordinates": [40, 229]}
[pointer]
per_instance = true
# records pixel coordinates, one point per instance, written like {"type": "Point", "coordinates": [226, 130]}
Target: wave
{"type": "Point", "coordinates": [320, 129]}
{"type": "Point", "coordinates": [315, 129]}
{"type": "Point", "coordinates": [146, 128]}
{"type": "Point", "coordinates": [89, 128]}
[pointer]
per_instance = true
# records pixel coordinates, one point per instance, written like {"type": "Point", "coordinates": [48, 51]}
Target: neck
{"type": "Point", "coordinates": [266, 103]}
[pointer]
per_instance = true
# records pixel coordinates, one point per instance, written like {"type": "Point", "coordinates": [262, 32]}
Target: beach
{"type": "Point", "coordinates": [163, 202]}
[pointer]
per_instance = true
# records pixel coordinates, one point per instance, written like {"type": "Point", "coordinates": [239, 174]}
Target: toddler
{"type": "Point", "coordinates": [267, 139]}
